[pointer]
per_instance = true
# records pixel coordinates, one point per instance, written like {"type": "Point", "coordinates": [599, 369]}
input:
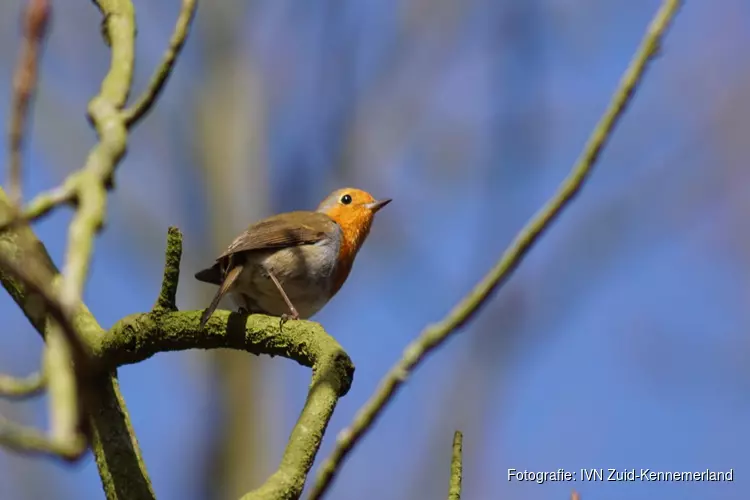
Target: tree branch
{"type": "Point", "coordinates": [454, 492]}
{"type": "Point", "coordinates": [113, 441]}
{"type": "Point", "coordinates": [138, 337]}
{"type": "Point", "coordinates": [24, 85]}
{"type": "Point", "coordinates": [167, 296]}
{"type": "Point", "coordinates": [31, 441]}
{"type": "Point", "coordinates": [144, 103]}
{"type": "Point", "coordinates": [13, 387]}
{"type": "Point", "coordinates": [114, 444]}
{"type": "Point", "coordinates": [434, 335]}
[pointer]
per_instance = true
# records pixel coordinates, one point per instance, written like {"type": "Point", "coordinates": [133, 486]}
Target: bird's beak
{"type": "Point", "coordinates": [377, 205]}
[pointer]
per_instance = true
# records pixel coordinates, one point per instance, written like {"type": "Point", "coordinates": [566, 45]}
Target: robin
{"type": "Point", "coordinates": [291, 264]}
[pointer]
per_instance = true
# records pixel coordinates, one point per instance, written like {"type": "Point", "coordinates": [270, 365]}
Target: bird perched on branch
{"type": "Point", "coordinates": [291, 264]}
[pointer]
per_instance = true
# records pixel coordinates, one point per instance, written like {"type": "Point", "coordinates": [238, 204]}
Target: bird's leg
{"type": "Point", "coordinates": [284, 317]}
{"type": "Point", "coordinates": [244, 304]}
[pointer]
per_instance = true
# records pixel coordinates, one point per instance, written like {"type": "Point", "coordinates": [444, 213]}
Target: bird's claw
{"type": "Point", "coordinates": [286, 317]}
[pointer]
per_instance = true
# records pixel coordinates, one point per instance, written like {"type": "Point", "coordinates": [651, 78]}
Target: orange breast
{"type": "Point", "coordinates": [347, 252]}
{"type": "Point", "coordinates": [355, 227]}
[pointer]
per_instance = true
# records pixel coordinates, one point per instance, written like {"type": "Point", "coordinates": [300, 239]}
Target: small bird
{"type": "Point", "coordinates": [291, 264]}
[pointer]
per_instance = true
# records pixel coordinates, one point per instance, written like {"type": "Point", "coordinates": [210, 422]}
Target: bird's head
{"type": "Point", "coordinates": [353, 210]}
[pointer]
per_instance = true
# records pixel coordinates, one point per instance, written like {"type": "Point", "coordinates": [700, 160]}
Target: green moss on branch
{"type": "Point", "coordinates": [138, 337]}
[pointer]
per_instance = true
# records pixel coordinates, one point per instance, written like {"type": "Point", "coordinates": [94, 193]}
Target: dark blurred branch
{"type": "Point", "coordinates": [35, 24]}
{"type": "Point", "coordinates": [144, 103]}
{"type": "Point", "coordinates": [435, 335]}
{"type": "Point", "coordinates": [454, 492]}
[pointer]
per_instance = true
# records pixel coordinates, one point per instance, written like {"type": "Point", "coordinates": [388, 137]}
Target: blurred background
{"type": "Point", "coordinates": [621, 342]}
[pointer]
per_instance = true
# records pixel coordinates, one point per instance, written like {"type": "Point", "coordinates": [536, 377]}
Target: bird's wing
{"type": "Point", "coordinates": [284, 230]}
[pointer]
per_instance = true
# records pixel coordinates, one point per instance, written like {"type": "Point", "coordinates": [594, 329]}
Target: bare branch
{"type": "Point", "coordinates": [43, 204]}
{"type": "Point", "coordinates": [145, 102]}
{"type": "Point", "coordinates": [454, 492]}
{"type": "Point", "coordinates": [35, 24]}
{"type": "Point", "coordinates": [434, 335]}
{"type": "Point", "coordinates": [65, 353]}
{"type": "Point", "coordinates": [26, 440]}
{"type": "Point", "coordinates": [115, 447]}
{"type": "Point", "coordinates": [14, 387]}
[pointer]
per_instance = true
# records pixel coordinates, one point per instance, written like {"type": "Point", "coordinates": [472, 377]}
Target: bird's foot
{"type": "Point", "coordinates": [286, 317]}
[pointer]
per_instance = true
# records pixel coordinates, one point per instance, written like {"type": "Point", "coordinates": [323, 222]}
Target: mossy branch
{"type": "Point", "coordinates": [167, 296]}
{"type": "Point", "coordinates": [454, 491]}
{"type": "Point", "coordinates": [140, 336]}
{"type": "Point", "coordinates": [435, 335]}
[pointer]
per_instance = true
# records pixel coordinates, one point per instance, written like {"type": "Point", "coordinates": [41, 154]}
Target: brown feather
{"type": "Point", "coordinates": [232, 275]}
{"type": "Point", "coordinates": [283, 230]}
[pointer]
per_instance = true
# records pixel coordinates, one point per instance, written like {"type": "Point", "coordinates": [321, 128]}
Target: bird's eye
{"type": "Point", "coordinates": [346, 199]}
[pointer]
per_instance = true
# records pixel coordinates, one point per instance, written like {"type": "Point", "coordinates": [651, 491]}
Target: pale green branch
{"type": "Point", "coordinates": [434, 335]}
{"type": "Point", "coordinates": [145, 102]}
{"type": "Point", "coordinates": [31, 441]}
{"type": "Point", "coordinates": [17, 387]}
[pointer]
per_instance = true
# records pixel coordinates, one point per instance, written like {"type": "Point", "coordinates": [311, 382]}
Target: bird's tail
{"type": "Point", "coordinates": [232, 275]}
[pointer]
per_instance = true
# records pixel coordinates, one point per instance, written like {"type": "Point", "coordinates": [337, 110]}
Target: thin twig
{"type": "Point", "coordinates": [434, 335]}
{"type": "Point", "coordinates": [454, 493]}
{"type": "Point", "coordinates": [144, 103]}
{"type": "Point", "coordinates": [27, 440]}
{"type": "Point", "coordinates": [35, 23]}
{"type": "Point", "coordinates": [43, 203]}
{"type": "Point", "coordinates": [15, 387]}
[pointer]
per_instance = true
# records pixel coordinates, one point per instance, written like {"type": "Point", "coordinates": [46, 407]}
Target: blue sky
{"type": "Point", "coordinates": [620, 341]}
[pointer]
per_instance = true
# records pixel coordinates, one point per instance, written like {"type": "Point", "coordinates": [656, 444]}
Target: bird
{"type": "Point", "coordinates": [291, 264]}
